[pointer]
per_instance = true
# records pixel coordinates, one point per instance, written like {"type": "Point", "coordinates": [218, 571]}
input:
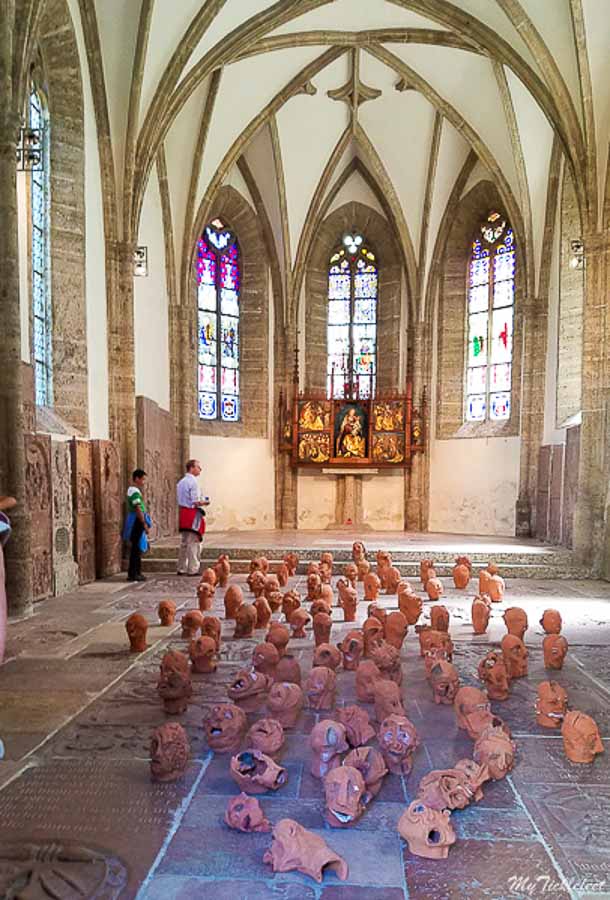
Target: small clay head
{"type": "Point", "coordinates": [387, 659]}
{"type": "Point", "coordinates": [327, 741]}
{"type": "Point", "coordinates": [551, 704]}
{"type": "Point", "coordinates": [322, 626]}
{"type": "Point", "coordinates": [292, 562]}
{"type": "Point", "coordinates": [554, 648]}
{"type": "Point", "coordinates": [202, 652]}
{"type": "Point", "coordinates": [285, 702]}
{"type": "Point", "coordinates": [515, 655]}
{"type": "Point", "coordinates": [327, 655]}
{"type": "Point", "coordinates": [351, 573]}
{"type": "Point", "coordinates": [326, 572]}
{"type": "Point", "coordinates": [372, 585]}
{"type": "Point", "coordinates": [290, 602]}
{"type": "Point", "coordinates": [265, 658]}
{"type": "Point", "coordinates": [274, 599]}
{"type": "Point", "coordinates": [224, 727]}
{"type": "Point", "coordinates": [410, 605]}
{"type": "Point", "coordinates": [468, 704]}
{"type": "Point", "coordinates": [493, 673]}
{"type": "Point", "coordinates": [288, 669]}
{"type": "Point", "coordinates": [205, 596]}
{"type": "Point", "coordinates": [191, 623]}
{"type": "Point", "coordinates": [255, 772]}
{"type": "Point", "coordinates": [313, 568]}
{"type": "Point", "coordinates": [319, 606]}
{"type": "Point", "coordinates": [272, 585]}
{"type": "Point", "coordinates": [222, 569]}
{"type": "Point", "coordinates": [475, 774]}
{"type": "Point", "coordinates": [345, 794]}
{"type": "Point", "coordinates": [391, 579]}
{"type": "Point", "coordinates": [551, 621]}
{"type": "Point", "coordinates": [352, 648]}
{"type": "Point", "coordinates": [358, 551]}
{"type": "Point", "coordinates": [245, 621]}
{"type": "Point", "coordinates": [439, 618]}
{"type": "Point", "coordinates": [320, 687]}
{"type": "Point", "coordinates": [170, 752]}
{"type": "Point", "coordinates": [370, 764]}
{"type": "Point", "coordinates": [439, 646]}
{"type": "Point", "coordinates": [428, 832]}
{"type": "Point", "coordinates": [396, 627]}
{"type": "Point", "coordinates": [263, 612]}
{"type": "Point", "coordinates": [424, 568]}
{"type": "Point", "coordinates": [480, 613]}
{"type": "Point", "coordinates": [581, 740]}
{"type": "Point", "coordinates": [496, 751]}
{"type": "Point", "coordinates": [445, 789]}
{"type": "Point", "coordinates": [367, 676]}
{"type": "Point", "coordinates": [434, 588]}
{"type": "Point", "coordinates": [515, 620]}
{"type": "Point", "coordinates": [209, 576]}
{"type": "Point", "coordinates": [136, 627]}
{"type": "Point", "coordinates": [293, 847]}
{"type": "Point", "coordinates": [384, 559]}
{"type": "Point", "coordinates": [266, 735]}
{"type": "Point", "coordinates": [283, 574]}
{"type": "Point", "coordinates": [279, 636]}
{"type": "Point", "coordinates": [348, 600]}
{"type": "Point", "coordinates": [388, 700]}
{"type": "Point", "coordinates": [378, 612]}
{"type": "Point", "coordinates": [249, 689]}
{"type": "Point", "coordinates": [496, 588]}
{"type": "Point", "coordinates": [256, 582]}
{"type": "Point", "coordinates": [211, 627]}
{"type": "Point", "coordinates": [299, 620]}
{"type": "Point", "coordinates": [372, 631]}
{"type": "Point", "coordinates": [445, 681]}
{"type": "Point", "coordinates": [314, 586]}
{"type": "Point", "coordinates": [461, 572]}
{"type": "Point", "coordinates": [358, 728]}
{"type": "Point", "coordinates": [166, 612]}
{"type": "Point", "coordinates": [398, 741]}
{"type": "Point", "coordinates": [244, 813]}
{"type": "Point", "coordinates": [174, 685]}
{"type": "Point", "coordinates": [327, 595]}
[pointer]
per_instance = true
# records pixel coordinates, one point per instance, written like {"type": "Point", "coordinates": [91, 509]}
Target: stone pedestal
{"type": "Point", "coordinates": [108, 508]}
{"type": "Point", "coordinates": [65, 570]}
{"type": "Point", "coordinates": [348, 499]}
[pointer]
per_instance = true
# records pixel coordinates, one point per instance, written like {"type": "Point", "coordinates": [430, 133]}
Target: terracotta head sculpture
{"type": "Point", "coordinates": [327, 742]}
{"type": "Point", "coordinates": [320, 688]}
{"type": "Point", "coordinates": [515, 620]}
{"type": "Point", "coordinates": [166, 612]}
{"type": "Point", "coordinates": [388, 700]}
{"type": "Point", "coordinates": [371, 766]}
{"type": "Point", "coordinates": [480, 613]}
{"type": "Point", "coordinates": [358, 551]}
{"type": "Point", "coordinates": [396, 627]}
{"type": "Point", "coordinates": [551, 621]}
{"type": "Point", "coordinates": [438, 646]}
{"type": "Point", "coordinates": [313, 568]}
{"type": "Point", "coordinates": [314, 587]}
{"type": "Point", "coordinates": [327, 655]}
{"type": "Point", "coordinates": [387, 659]}
{"type": "Point", "coordinates": [352, 648]}
{"type": "Point", "coordinates": [469, 703]}
{"type": "Point", "coordinates": [174, 685]}
{"type": "Point", "coordinates": [170, 752]}
{"type": "Point", "coordinates": [283, 574]}
{"type": "Point", "coordinates": [367, 676]}
{"type": "Point", "coordinates": [364, 567]}
{"type": "Point", "coordinates": [372, 631]}
{"type": "Point", "coordinates": [326, 572]}
{"type": "Point", "coordinates": [290, 602]}
{"type": "Point", "coordinates": [266, 735]}
{"type": "Point", "coordinates": [326, 594]}
{"type": "Point", "coordinates": [255, 772]}
{"type": "Point", "coordinates": [245, 621]}
{"type": "Point", "coordinates": [288, 669]}
{"type": "Point", "coordinates": [202, 652]}
{"type": "Point", "coordinates": [410, 605]}
{"type": "Point", "coordinates": [445, 789]}
{"type": "Point", "coordinates": [225, 727]}
{"type": "Point", "coordinates": [265, 658]}
{"type": "Point", "coordinates": [209, 576]}
{"type": "Point", "coordinates": [256, 582]}
{"type": "Point", "coordinates": [136, 627]}
{"type": "Point", "coordinates": [345, 794]}
{"type": "Point", "coordinates": [445, 682]}
{"type": "Point", "coordinates": [263, 612]}
{"type": "Point", "coordinates": [375, 610]}
{"type": "Point", "coordinates": [554, 647]}
{"type": "Point", "coordinates": [439, 618]}
{"type": "Point", "coordinates": [278, 635]}
{"type": "Point", "coordinates": [205, 596]}
{"type": "Point", "coordinates": [350, 571]}
{"type": "Point", "coordinates": [249, 689]}
{"type": "Point", "coordinates": [299, 620]}
{"type": "Point", "coordinates": [391, 580]}
{"type": "Point", "coordinates": [274, 599]}
{"type": "Point", "coordinates": [496, 751]}
{"type": "Point", "coordinates": [493, 673]}
{"type": "Point", "coordinates": [285, 702]}
{"type": "Point", "coordinates": [461, 572]}
{"type": "Point", "coordinates": [496, 588]}
{"type": "Point", "coordinates": [551, 704]}
{"type": "Point", "coordinates": [222, 569]}
{"type": "Point", "coordinates": [244, 813]}
{"type": "Point", "coordinates": [211, 627]}
{"type": "Point", "coordinates": [293, 847]}
{"type": "Point", "coordinates": [384, 560]}
{"type": "Point", "coordinates": [424, 567]}
{"type": "Point", "coordinates": [398, 741]}
{"type": "Point", "coordinates": [581, 740]}
{"type": "Point", "coordinates": [372, 585]}
{"type": "Point", "coordinates": [434, 588]}
{"type": "Point", "coordinates": [428, 832]}
{"type": "Point", "coordinates": [319, 606]}
{"type": "Point", "coordinates": [191, 623]}
{"type": "Point", "coordinates": [476, 776]}
{"type": "Point", "coordinates": [348, 600]}
{"type": "Point", "coordinates": [322, 626]}
{"type": "Point", "coordinates": [515, 656]}
{"type": "Point", "coordinates": [292, 561]}
{"type": "Point", "coordinates": [358, 728]}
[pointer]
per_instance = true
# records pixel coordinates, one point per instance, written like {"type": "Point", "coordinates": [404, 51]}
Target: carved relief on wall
{"type": "Point", "coordinates": [314, 448]}
{"type": "Point", "coordinates": [108, 508]}
{"type": "Point", "coordinates": [39, 499]}
{"type": "Point", "coordinates": [314, 415]}
{"type": "Point", "coordinates": [389, 448]}
{"type": "Point", "coordinates": [388, 415]}
{"type": "Point", "coordinates": [65, 570]}
{"type": "Point", "coordinates": [157, 455]}
{"type": "Point", "coordinates": [82, 495]}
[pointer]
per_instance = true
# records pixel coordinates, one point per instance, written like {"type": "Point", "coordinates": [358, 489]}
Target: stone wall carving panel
{"type": "Point", "coordinates": [29, 406]}
{"type": "Point", "coordinates": [542, 496]}
{"type": "Point", "coordinates": [82, 496]}
{"type": "Point", "coordinates": [65, 570]}
{"type": "Point", "coordinates": [570, 484]}
{"type": "Point", "coordinates": [108, 509]}
{"type": "Point", "coordinates": [40, 503]}
{"type": "Point", "coordinates": [157, 455]}
{"type": "Point", "coordinates": [555, 494]}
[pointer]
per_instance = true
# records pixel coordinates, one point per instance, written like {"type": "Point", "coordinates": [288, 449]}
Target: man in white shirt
{"type": "Point", "coordinates": [191, 519]}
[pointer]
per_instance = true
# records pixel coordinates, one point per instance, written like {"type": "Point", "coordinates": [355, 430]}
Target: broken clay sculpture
{"type": "Point", "coordinates": [428, 832]}
{"type": "Point", "coordinates": [244, 813]}
{"type": "Point", "coordinates": [371, 765]}
{"type": "Point", "coordinates": [358, 728]}
{"type": "Point", "coordinates": [224, 727]}
{"type": "Point", "coordinates": [327, 741]}
{"type": "Point", "coordinates": [255, 772]}
{"type": "Point", "coordinates": [445, 789]}
{"type": "Point", "coordinates": [293, 847]}
{"type": "Point", "coordinates": [249, 689]}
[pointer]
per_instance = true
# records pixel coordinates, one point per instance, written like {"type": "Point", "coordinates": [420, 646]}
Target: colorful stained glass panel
{"type": "Point", "coordinates": [230, 341]}
{"type": "Point", "coordinates": [479, 270]}
{"type": "Point", "coordinates": [364, 349]}
{"type": "Point", "coordinates": [338, 312]}
{"type": "Point", "coordinates": [364, 386]}
{"type": "Point", "coordinates": [207, 378]}
{"type": "Point", "coordinates": [504, 293]}
{"type": "Point", "coordinates": [229, 381]}
{"type": "Point", "coordinates": [229, 302]}
{"type": "Point", "coordinates": [476, 408]}
{"type": "Point", "coordinates": [338, 340]}
{"type": "Point", "coordinates": [499, 377]}
{"type": "Point", "coordinates": [502, 335]}
{"type": "Point", "coordinates": [207, 338]}
{"type": "Point", "coordinates": [207, 405]}
{"type": "Point", "coordinates": [365, 311]}
{"type": "Point", "coordinates": [477, 379]}
{"type": "Point", "coordinates": [504, 265]}
{"type": "Point", "coordinates": [365, 284]}
{"type": "Point", "coordinates": [206, 296]}
{"type": "Point", "coordinates": [338, 287]}
{"type": "Point", "coordinates": [478, 298]}
{"type": "Point", "coordinates": [229, 269]}
{"type": "Point", "coordinates": [477, 341]}
{"type": "Point", "coordinates": [499, 406]}
{"type": "Point", "coordinates": [229, 408]}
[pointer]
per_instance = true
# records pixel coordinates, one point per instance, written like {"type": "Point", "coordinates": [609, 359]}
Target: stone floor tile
{"type": "Point", "coordinates": [164, 887]}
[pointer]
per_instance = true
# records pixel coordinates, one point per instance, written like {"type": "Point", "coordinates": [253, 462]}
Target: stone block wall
{"type": "Point", "coordinates": [557, 488]}
{"type": "Point", "coordinates": [157, 456]}
{"type": "Point", "coordinates": [571, 302]}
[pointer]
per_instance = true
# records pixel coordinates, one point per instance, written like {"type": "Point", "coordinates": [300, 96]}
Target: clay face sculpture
{"type": "Point", "coordinates": [495, 750]}
{"type": "Point", "coordinates": [274, 599]}
{"type": "Point", "coordinates": [439, 618]}
{"type": "Point", "coordinates": [384, 561]}
{"type": "Point", "coordinates": [461, 572]}
{"type": "Point", "coordinates": [372, 585]}
{"type": "Point", "coordinates": [313, 568]}
{"type": "Point", "coordinates": [438, 646]}
{"type": "Point", "coordinates": [136, 627]}
{"type": "Point", "coordinates": [396, 627]}
{"type": "Point", "coordinates": [293, 847]}
{"type": "Point", "coordinates": [266, 735]}
{"type": "Point", "coordinates": [205, 596]}
{"type": "Point", "coordinates": [298, 622]}
{"type": "Point", "coordinates": [263, 612]}
{"type": "Point", "coordinates": [364, 568]}
{"type": "Point", "coordinates": [285, 702]}
{"type": "Point", "coordinates": [288, 669]}
{"type": "Point", "coordinates": [388, 700]}
{"type": "Point", "coordinates": [515, 656]}
{"type": "Point", "coordinates": [327, 655]}
{"type": "Point", "coordinates": [327, 742]}
{"type": "Point", "coordinates": [272, 585]}
{"type": "Point", "coordinates": [581, 740]}
{"type": "Point", "coordinates": [484, 580]}
{"type": "Point", "coordinates": [202, 652]}
{"type": "Point", "coordinates": [278, 635]}
{"type": "Point", "coordinates": [480, 615]}
{"type": "Point", "coordinates": [410, 605]}
{"type": "Point", "coordinates": [174, 685]}
{"type": "Point", "coordinates": [391, 580]}
{"type": "Point", "coordinates": [515, 620]}
{"type": "Point", "coordinates": [367, 675]}
{"type": "Point", "coordinates": [494, 674]}
{"type": "Point", "coordinates": [428, 832]}
{"type": "Point", "coordinates": [554, 647]}
{"type": "Point", "coordinates": [209, 575]}
{"type": "Point", "coordinates": [320, 688]}
{"type": "Point", "coordinates": [372, 631]}
{"type": "Point", "coordinates": [377, 612]}
{"type": "Point", "coordinates": [358, 551]}
{"type": "Point", "coordinates": [245, 621]}
{"type": "Point", "coordinates": [211, 627]}
{"type": "Point", "coordinates": [314, 587]}
{"type": "Point", "coordinates": [244, 813]}
{"type": "Point", "coordinates": [434, 588]}
{"type": "Point", "coordinates": [371, 766]}
{"type": "Point", "coordinates": [170, 752]}
{"type": "Point", "coordinates": [351, 573]}
{"type": "Point", "coordinates": [290, 602]}
{"type": "Point", "coordinates": [468, 704]}
{"type": "Point", "coordinates": [166, 612]}
{"type": "Point", "coordinates": [496, 588]}
{"type": "Point", "coordinates": [249, 689]}
{"type": "Point", "coordinates": [348, 600]}
{"type": "Point", "coordinates": [319, 606]}
{"type": "Point", "coordinates": [322, 626]}
{"type": "Point", "coordinates": [326, 594]}
{"type": "Point", "coordinates": [292, 561]}
{"type": "Point", "coordinates": [352, 648]}
{"type": "Point", "coordinates": [345, 794]}
{"type": "Point", "coordinates": [222, 569]}
{"type": "Point", "coordinates": [398, 741]}
{"type": "Point", "coordinates": [191, 622]}
{"type": "Point", "coordinates": [358, 728]}
{"type": "Point", "coordinates": [282, 574]}
{"type": "Point", "coordinates": [445, 789]}
{"type": "Point", "coordinates": [387, 659]}
{"type": "Point", "coordinates": [256, 773]}
{"type": "Point", "coordinates": [224, 727]}
{"type": "Point", "coordinates": [475, 774]}
{"type": "Point", "coordinates": [326, 572]}
{"type": "Point", "coordinates": [256, 582]}
{"type": "Point", "coordinates": [265, 659]}
{"type": "Point", "coordinates": [424, 567]}
{"type": "Point", "coordinates": [551, 704]}
{"type": "Point", "coordinates": [551, 621]}
{"type": "Point", "coordinates": [445, 682]}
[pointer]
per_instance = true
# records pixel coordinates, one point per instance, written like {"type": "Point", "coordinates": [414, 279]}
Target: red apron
{"type": "Point", "coordinates": [191, 520]}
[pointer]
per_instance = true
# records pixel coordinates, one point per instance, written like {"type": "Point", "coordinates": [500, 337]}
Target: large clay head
{"type": "Point", "coordinates": [388, 700]}
{"type": "Point", "coordinates": [480, 613]}
{"type": "Point", "coordinates": [314, 586]}
{"type": "Point", "coordinates": [372, 631]}
{"type": "Point", "coordinates": [256, 582]}
{"type": "Point", "coordinates": [293, 847]}
{"type": "Point", "coordinates": [496, 751]}
{"type": "Point", "coordinates": [202, 652]}
{"type": "Point", "coordinates": [136, 627]}
{"type": "Point", "coordinates": [285, 702]}
{"type": "Point", "coordinates": [174, 684]}
{"type": "Point", "coordinates": [288, 669]}
{"type": "Point", "coordinates": [290, 602]}
{"type": "Point", "coordinates": [299, 620]}
{"type": "Point", "coordinates": [396, 627]}
{"type": "Point", "coordinates": [581, 740]}
{"type": "Point", "coordinates": [424, 567]}
{"type": "Point", "coordinates": [398, 741]}
{"type": "Point", "coordinates": [348, 600]}
{"type": "Point", "coordinates": [322, 626]}
{"type": "Point", "coordinates": [445, 789]}
{"type": "Point", "coordinates": [551, 704]}
{"type": "Point", "coordinates": [515, 655]}
{"type": "Point", "coordinates": [266, 735]}
{"type": "Point", "coordinates": [410, 605]}
{"type": "Point", "coordinates": [428, 832]}
{"type": "Point", "coordinates": [265, 658]}
{"type": "Point", "coordinates": [255, 772]}
{"type": "Point", "coordinates": [319, 606]}
{"type": "Point", "coordinates": [222, 569]}
{"type": "Point", "coordinates": [374, 609]}
{"type": "Point", "coordinates": [461, 572]}
{"type": "Point", "coordinates": [249, 689]}
{"type": "Point", "coordinates": [224, 727]}
{"type": "Point", "coordinates": [327, 655]}
{"type": "Point", "coordinates": [211, 627]}
{"type": "Point", "coordinates": [191, 623]}
{"type": "Point", "coordinates": [371, 765]}
{"type": "Point", "coordinates": [170, 752]}
{"type": "Point", "coordinates": [263, 612]}
{"type": "Point", "coordinates": [372, 584]}
{"type": "Point", "coordinates": [272, 585]}
{"type": "Point", "coordinates": [358, 728]}
{"type": "Point", "coordinates": [493, 673]}
{"type": "Point", "coordinates": [245, 621]}
{"type": "Point", "coordinates": [244, 813]}
{"type": "Point", "coordinates": [352, 648]}
{"type": "Point", "coordinates": [434, 588]}
{"type": "Point", "coordinates": [278, 635]}
{"type": "Point", "coordinates": [292, 561]}
{"type": "Point", "coordinates": [166, 612]}
{"type": "Point", "coordinates": [367, 676]}
{"type": "Point", "coordinates": [351, 573]}
{"type": "Point", "coordinates": [358, 551]}
{"type": "Point", "coordinates": [387, 659]}
{"type": "Point", "coordinates": [469, 703]}
{"type": "Point", "coordinates": [551, 621]}
{"type": "Point", "coordinates": [327, 741]}
{"type": "Point", "coordinates": [438, 646]}
{"type": "Point", "coordinates": [439, 618]}
{"type": "Point", "coordinates": [445, 681]}
{"type": "Point", "coordinates": [320, 687]}
{"type": "Point", "coordinates": [515, 620]}
{"type": "Point", "coordinates": [554, 648]}
{"type": "Point", "coordinates": [345, 794]}
{"type": "Point", "coordinates": [209, 576]}
{"type": "Point", "coordinates": [205, 596]}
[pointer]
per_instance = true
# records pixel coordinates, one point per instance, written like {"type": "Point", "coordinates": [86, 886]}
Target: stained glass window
{"type": "Point", "coordinates": [351, 367]}
{"type": "Point", "coordinates": [218, 283]}
{"type": "Point", "coordinates": [40, 202]}
{"type": "Point", "coordinates": [491, 297]}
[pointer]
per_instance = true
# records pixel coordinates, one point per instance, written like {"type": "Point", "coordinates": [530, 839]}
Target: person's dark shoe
{"type": "Point", "coordinates": [136, 578]}
{"type": "Point", "coordinates": [181, 573]}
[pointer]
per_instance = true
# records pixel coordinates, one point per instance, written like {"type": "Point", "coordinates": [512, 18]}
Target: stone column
{"type": "Point", "coordinates": [285, 475]}
{"type": "Point", "coordinates": [415, 479]}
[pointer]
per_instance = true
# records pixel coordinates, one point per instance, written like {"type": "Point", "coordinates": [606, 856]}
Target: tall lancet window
{"type": "Point", "coordinates": [352, 320]}
{"type": "Point", "coordinates": [218, 284]}
{"type": "Point", "coordinates": [491, 297]}
{"type": "Point", "coordinates": [40, 258]}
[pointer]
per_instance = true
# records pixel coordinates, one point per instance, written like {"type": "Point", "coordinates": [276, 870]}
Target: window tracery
{"type": "Point", "coordinates": [40, 259]}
